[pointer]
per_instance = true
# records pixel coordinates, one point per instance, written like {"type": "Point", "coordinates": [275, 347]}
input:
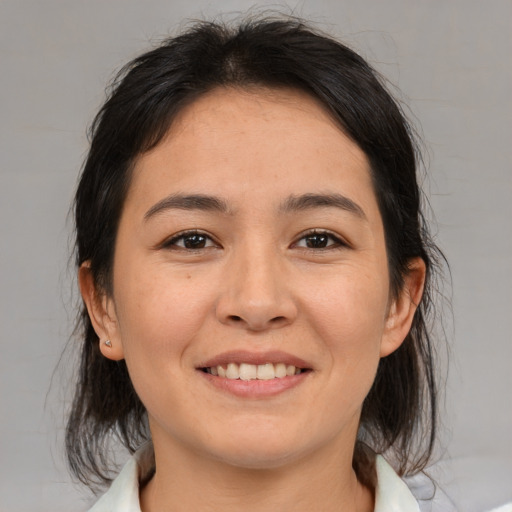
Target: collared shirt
{"type": "Point", "coordinates": [391, 494]}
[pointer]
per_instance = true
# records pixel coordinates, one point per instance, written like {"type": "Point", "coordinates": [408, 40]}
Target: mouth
{"type": "Point", "coordinates": [248, 371]}
{"type": "Point", "coordinates": [255, 375]}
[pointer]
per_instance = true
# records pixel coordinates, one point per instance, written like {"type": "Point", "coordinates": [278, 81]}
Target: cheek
{"type": "Point", "coordinates": [348, 317]}
{"type": "Point", "coordinates": [350, 307]}
{"type": "Point", "coordinates": [344, 314]}
{"type": "Point", "coordinates": [159, 313]}
{"type": "Point", "coordinates": [159, 317]}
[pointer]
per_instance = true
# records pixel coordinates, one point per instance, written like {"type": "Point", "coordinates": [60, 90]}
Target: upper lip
{"type": "Point", "coordinates": [256, 358]}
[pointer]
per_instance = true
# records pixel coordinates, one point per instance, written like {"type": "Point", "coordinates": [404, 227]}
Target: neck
{"type": "Point", "coordinates": [323, 481]}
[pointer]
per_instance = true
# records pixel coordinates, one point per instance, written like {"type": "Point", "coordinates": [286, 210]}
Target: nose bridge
{"type": "Point", "coordinates": [257, 293]}
{"type": "Point", "coordinates": [259, 268]}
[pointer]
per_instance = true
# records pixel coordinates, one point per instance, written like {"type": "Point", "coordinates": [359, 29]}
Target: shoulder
{"type": "Point", "coordinates": [392, 493]}
{"type": "Point", "coordinates": [419, 493]}
{"type": "Point", "coordinates": [123, 494]}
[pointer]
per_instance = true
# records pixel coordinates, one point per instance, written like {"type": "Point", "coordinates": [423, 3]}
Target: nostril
{"type": "Point", "coordinates": [256, 322]}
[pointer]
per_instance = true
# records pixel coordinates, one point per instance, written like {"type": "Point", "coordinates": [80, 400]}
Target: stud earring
{"type": "Point", "coordinates": [108, 343]}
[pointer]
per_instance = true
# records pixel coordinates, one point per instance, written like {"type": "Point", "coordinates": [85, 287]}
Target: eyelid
{"type": "Point", "coordinates": [340, 242]}
{"type": "Point", "coordinates": [170, 242]}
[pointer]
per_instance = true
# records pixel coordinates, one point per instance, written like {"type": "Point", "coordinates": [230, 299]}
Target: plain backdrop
{"type": "Point", "coordinates": [450, 59]}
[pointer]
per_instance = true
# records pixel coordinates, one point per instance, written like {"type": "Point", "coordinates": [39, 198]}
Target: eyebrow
{"type": "Point", "coordinates": [312, 201]}
{"type": "Point", "coordinates": [209, 203]}
{"type": "Point", "coordinates": [188, 202]}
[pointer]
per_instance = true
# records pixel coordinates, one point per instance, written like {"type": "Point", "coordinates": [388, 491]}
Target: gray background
{"type": "Point", "coordinates": [450, 58]}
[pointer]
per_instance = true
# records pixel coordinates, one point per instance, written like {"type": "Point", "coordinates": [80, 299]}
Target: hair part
{"type": "Point", "coordinates": [399, 413]}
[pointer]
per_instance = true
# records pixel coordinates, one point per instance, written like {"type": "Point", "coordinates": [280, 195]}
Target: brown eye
{"type": "Point", "coordinates": [194, 241]}
{"type": "Point", "coordinates": [320, 240]}
{"type": "Point", "coordinates": [316, 241]}
{"type": "Point", "coordinates": [191, 241]}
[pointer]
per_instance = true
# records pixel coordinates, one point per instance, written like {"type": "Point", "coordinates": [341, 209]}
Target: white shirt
{"type": "Point", "coordinates": [391, 494]}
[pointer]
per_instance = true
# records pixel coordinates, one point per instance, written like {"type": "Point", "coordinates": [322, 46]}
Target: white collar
{"type": "Point", "coordinates": [392, 494]}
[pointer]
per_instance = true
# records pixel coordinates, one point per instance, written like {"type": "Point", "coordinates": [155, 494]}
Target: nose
{"type": "Point", "coordinates": [256, 293]}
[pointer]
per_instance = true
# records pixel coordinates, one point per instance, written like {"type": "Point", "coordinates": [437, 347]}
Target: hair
{"type": "Point", "coordinates": [399, 413]}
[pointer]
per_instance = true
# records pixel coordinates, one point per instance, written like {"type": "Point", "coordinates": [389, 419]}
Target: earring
{"type": "Point", "coordinates": [108, 343]}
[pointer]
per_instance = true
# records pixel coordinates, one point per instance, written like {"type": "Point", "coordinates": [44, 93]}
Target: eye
{"type": "Point", "coordinates": [319, 240]}
{"type": "Point", "coordinates": [191, 240]}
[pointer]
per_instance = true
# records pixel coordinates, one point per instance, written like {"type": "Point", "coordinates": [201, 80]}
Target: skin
{"type": "Point", "coordinates": [256, 283]}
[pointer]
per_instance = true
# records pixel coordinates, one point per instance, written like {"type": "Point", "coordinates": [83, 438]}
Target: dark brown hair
{"type": "Point", "coordinates": [399, 413]}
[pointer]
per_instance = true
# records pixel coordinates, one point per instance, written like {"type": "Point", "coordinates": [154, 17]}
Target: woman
{"type": "Point", "coordinates": [256, 277]}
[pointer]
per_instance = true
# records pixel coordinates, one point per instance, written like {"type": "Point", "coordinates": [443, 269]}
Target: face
{"type": "Point", "coordinates": [250, 288]}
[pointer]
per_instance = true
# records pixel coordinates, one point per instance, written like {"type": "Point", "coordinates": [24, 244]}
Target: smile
{"type": "Point", "coordinates": [256, 375]}
{"type": "Point", "coordinates": [247, 371]}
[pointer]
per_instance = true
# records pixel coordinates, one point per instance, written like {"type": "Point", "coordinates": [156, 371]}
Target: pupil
{"type": "Point", "coordinates": [316, 241]}
{"type": "Point", "coordinates": [195, 242]}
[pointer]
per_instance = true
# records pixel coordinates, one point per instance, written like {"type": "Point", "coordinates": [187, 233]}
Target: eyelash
{"type": "Point", "coordinates": [338, 242]}
{"type": "Point", "coordinates": [173, 242]}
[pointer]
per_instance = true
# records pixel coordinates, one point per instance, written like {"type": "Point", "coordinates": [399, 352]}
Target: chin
{"type": "Point", "coordinates": [265, 451]}
{"type": "Point", "coordinates": [258, 459]}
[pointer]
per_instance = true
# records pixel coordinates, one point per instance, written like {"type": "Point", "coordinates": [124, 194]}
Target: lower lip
{"type": "Point", "coordinates": [255, 388]}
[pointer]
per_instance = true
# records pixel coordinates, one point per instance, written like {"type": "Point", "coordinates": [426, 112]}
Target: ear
{"type": "Point", "coordinates": [101, 312]}
{"type": "Point", "coordinates": [401, 311]}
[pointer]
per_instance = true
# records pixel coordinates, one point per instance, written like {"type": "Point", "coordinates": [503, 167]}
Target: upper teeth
{"type": "Point", "coordinates": [245, 371]}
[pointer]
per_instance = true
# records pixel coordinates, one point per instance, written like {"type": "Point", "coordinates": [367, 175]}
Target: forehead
{"type": "Point", "coordinates": [226, 116]}
{"type": "Point", "coordinates": [239, 142]}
